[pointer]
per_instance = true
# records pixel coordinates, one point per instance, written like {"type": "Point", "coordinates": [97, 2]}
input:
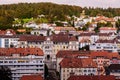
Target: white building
{"type": "Point", "coordinates": [108, 45]}
{"type": "Point", "coordinates": [44, 32]}
{"type": "Point", "coordinates": [22, 61]}
{"type": "Point", "coordinates": [7, 41]}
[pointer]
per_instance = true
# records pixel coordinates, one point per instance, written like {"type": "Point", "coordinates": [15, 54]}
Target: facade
{"type": "Point", "coordinates": [43, 32]}
{"type": "Point", "coordinates": [22, 61]}
{"type": "Point", "coordinates": [7, 41]}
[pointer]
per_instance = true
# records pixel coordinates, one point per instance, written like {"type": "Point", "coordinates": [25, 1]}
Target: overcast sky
{"type": "Point", "coordinates": [83, 3]}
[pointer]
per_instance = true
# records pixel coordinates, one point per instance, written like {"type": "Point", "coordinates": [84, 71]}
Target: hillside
{"type": "Point", "coordinates": [51, 11]}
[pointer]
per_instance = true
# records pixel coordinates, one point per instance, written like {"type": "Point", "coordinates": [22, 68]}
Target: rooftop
{"type": "Point", "coordinates": [21, 51]}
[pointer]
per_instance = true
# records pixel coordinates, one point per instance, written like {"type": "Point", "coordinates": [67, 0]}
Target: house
{"type": "Point", "coordinates": [44, 32]}
{"type": "Point", "coordinates": [103, 19]}
{"type": "Point", "coordinates": [7, 32]}
{"type": "Point", "coordinates": [59, 29]}
{"type": "Point", "coordinates": [108, 30]}
{"type": "Point", "coordinates": [77, 66]}
{"type": "Point", "coordinates": [31, 25]}
{"type": "Point", "coordinates": [22, 61]}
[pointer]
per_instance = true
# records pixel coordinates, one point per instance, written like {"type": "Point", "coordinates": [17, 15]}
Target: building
{"type": "Point", "coordinates": [108, 45]}
{"type": "Point", "coordinates": [7, 41]}
{"type": "Point", "coordinates": [77, 66]}
{"type": "Point", "coordinates": [70, 54]}
{"type": "Point", "coordinates": [43, 32]}
{"type": "Point", "coordinates": [22, 61]}
{"type": "Point", "coordinates": [103, 19]}
{"type": "Point", "coordinates": [103, 58]}
{"type": "Point", "coordinates": [108, 30]}
{"type": "Point", "coordinates": [59, 29]}
{"type": "Point", "coordinates": [7, 32]}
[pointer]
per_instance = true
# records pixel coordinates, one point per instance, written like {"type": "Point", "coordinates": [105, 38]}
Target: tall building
{"type": "Point", "coordinates": [22, 61]}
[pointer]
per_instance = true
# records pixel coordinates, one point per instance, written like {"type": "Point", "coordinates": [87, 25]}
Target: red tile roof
{"type": "Point", "coordinates": [108, 28]}
{"type": "Point", "coordinates": [77, 63]}
{"type": "Point", "coordinates": [91, 77]}
{"type": "Point", "coordinates": [21, 51]}
{"type": "Point", "coordinates": [104, 54]}
{"type": "Point", "coordinates": [91, 54]}
{"type": "Point", "coordinates": [8, 30]}
{"type": "Point", "coordinates": [64, 28]}
{"type": "Point", "coordinates": [105, 19]}
{"type": "Point", "coordinates": [31, 77]}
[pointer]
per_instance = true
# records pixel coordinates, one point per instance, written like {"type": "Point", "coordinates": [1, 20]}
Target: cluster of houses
{"type": "Point", "coordinates": [63, 49]}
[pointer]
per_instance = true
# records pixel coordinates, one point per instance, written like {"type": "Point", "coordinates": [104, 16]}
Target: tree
{"type": "Point", "coordinates": [5, 73]}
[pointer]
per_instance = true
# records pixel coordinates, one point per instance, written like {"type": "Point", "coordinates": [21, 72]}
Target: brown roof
{"type": "Point", "coordinates": [72, 38]}
{"type": "Point", "coordinates": [71, 53]}
{"type": "Point", "coordinates": [77, 63]}
{"type": "Point", "coordinates": [21, 51]}
{"type": "Point", "coordinates": [91, 77]}
{"type": "Point", "coordinates": [32, 38]}
{"type": "Point", "coordinates": [62, 37]}
{"type": "Point", "coordinates": [31, 77]}
{"type": "Point", "coordinates": [91, 54]}
{"type": "Point", "coordinates": [105, 41]}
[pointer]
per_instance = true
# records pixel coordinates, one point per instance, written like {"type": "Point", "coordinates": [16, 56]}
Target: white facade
{"type": "Point", "coordinates": [8, 41]}
{"type": "Point", "coordinates": [112, 47]}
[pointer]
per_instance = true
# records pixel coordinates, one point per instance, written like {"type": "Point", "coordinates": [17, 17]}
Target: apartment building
{"type": "Point", "coordinates": [22, 61]}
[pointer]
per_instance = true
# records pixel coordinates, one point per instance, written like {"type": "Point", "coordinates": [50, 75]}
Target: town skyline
{"type": "Point", "coordinates": [81, 3]}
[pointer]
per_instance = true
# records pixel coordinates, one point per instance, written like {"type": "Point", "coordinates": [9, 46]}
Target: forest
{"type": "Point", "coordinates": [52, 12]}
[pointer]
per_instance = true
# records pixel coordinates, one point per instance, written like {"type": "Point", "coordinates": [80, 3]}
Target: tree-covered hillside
{"type": "Point", "coordinates": [52, 12]}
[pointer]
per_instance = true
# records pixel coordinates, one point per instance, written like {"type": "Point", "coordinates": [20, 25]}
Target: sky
{"type": "Point", "coordinates": [82, 3]}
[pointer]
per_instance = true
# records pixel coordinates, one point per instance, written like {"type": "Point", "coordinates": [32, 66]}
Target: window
{"type": "Point", "coordinates": [89, 70]}
{"type": "Point", "coordinates": [10, 62]}
{"type": "Point", "coordinates": [1, 61]}
{"type": "Point", "coordinates": [5, 61]}
{"type": "Point", "coordinates": [85, 70]}
{"type": "Point", "coordinates": [93, 70]}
